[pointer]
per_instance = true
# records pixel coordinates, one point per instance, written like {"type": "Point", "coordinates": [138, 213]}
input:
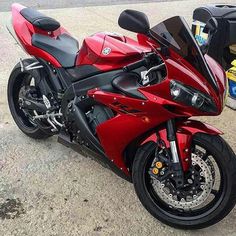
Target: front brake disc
{"type": "Point", "coordinates": [191, 200]}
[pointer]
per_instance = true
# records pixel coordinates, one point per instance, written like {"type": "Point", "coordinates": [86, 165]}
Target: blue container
{"type": "Point", "coordinates": [232, 88]}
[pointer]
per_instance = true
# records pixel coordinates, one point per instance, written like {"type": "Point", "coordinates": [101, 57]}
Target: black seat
{"type": "Point", "coordinates": [128, 84]}
{"type": "Point", "coordinates": [64, 48]}
{"type": "Point", "coordinates": [39, 20]}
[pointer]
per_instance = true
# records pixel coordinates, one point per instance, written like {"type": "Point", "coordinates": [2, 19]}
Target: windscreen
{"type": "Point", "coordinates": [175, 33]}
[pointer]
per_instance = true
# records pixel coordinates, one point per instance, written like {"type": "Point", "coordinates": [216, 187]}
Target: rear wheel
{"type": "Point", "coordinates": [19, 82]}
{"type": "Point", "coordinates": [209, 192]}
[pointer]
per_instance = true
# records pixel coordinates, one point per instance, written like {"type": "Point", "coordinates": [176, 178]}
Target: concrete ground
{"type": "Point", "coordinates": [47, 189]}
{"type": "Point", "coordinates": [42, 4]}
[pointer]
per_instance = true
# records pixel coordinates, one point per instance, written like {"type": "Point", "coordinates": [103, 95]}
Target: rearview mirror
{"type": "Point", "coordinates": [211, 26]}
{"type": "Point", "coordinates": [134, 21]}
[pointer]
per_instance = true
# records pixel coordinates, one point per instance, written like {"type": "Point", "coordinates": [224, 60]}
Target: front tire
{"type": "Point", "coordinates": [223, 202]}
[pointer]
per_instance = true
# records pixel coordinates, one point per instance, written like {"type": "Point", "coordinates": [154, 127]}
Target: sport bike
{"type": "Point", "coordinates": [128, 103]}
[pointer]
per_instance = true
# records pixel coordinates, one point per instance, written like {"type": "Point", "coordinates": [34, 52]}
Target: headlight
{"type": "Point", "coordinates": [191, 97]}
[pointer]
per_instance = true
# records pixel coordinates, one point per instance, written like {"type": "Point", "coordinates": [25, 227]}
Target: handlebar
{"type": "Point", "coordinates": [143, 62]}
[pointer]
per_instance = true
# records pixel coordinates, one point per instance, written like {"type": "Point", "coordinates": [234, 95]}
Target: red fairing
{"type": "Point", "coordinates": [180, 69]}
{"type": "Point", "coordinates": [221, 79]}
{"type": "Point", "coordinates": [116, 133]}
{"type": "Point", "coordinates": [151, 113]}
{"type": "Point", "coordinates": [109, 51]}
{"type": "Point", "coordinates": [24, 31]}
{"type": "Point", "coordinates": [145, 118]}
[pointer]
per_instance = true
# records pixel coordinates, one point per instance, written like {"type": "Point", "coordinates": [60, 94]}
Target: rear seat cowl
{"type": "Point", "coordinates": [39, 20]}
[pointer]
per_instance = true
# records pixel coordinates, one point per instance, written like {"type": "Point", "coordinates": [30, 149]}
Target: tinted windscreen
{"type": "Point", "coordinates": [175, 33]}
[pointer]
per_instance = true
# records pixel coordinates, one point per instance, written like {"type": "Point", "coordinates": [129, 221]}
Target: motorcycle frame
{"type": "Point", "coordinates": [137, 121]}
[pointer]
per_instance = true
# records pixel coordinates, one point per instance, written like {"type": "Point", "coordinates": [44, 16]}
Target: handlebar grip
{"type": "Point", "coordinates": [135, 65]}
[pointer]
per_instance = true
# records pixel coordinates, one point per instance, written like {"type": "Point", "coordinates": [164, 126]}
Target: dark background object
{"type": "Point", "coordinates": [226, 33]}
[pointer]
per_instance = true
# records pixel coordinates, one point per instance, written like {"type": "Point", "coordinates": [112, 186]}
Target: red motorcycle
{"type": "Point", "coordinates": [128, 103]}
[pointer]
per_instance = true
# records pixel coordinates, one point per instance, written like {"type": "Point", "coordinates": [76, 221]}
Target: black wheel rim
{"type": "Point", "coordinates": [23, 79]}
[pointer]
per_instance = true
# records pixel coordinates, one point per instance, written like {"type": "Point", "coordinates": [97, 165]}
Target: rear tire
{"type": "Point", "coordinates": [14, 85]}
{"type": "Point", "coordinates": [224, 157]}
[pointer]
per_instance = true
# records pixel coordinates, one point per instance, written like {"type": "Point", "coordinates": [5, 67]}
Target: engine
{"type": "Point", "coordinates": [97, 115]}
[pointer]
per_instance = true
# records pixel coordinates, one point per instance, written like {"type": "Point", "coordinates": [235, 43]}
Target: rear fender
{"type": "Point", "coordinates": [185, 132]}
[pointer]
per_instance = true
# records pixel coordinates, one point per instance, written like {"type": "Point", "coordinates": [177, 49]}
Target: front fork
{"type": "Point", "coordinates": [178, 136]}
{"type": "Point", "coordinates": [178, 174]}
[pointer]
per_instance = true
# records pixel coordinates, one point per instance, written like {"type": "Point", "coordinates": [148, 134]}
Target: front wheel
{"type": "Point", "coordinates": [209, 192]}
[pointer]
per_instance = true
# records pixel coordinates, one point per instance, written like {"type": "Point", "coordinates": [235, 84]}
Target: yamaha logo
{"type": "Point", "coordinates": [106, 51]}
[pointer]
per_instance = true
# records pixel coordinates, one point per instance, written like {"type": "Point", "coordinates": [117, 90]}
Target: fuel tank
{"type": "Point", "coordinates": [109, 51]}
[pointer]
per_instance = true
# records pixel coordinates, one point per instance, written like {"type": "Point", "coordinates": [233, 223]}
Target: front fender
{"type": "Point", "coordinates": [185, 132]}
{"type": "Point", "coordinates": [195, 126]}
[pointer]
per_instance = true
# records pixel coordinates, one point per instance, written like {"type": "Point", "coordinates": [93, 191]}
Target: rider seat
{"type": "Point", "coordinates": [64, 47]}
{"type": "Point", "coordinates": [39, 20]}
